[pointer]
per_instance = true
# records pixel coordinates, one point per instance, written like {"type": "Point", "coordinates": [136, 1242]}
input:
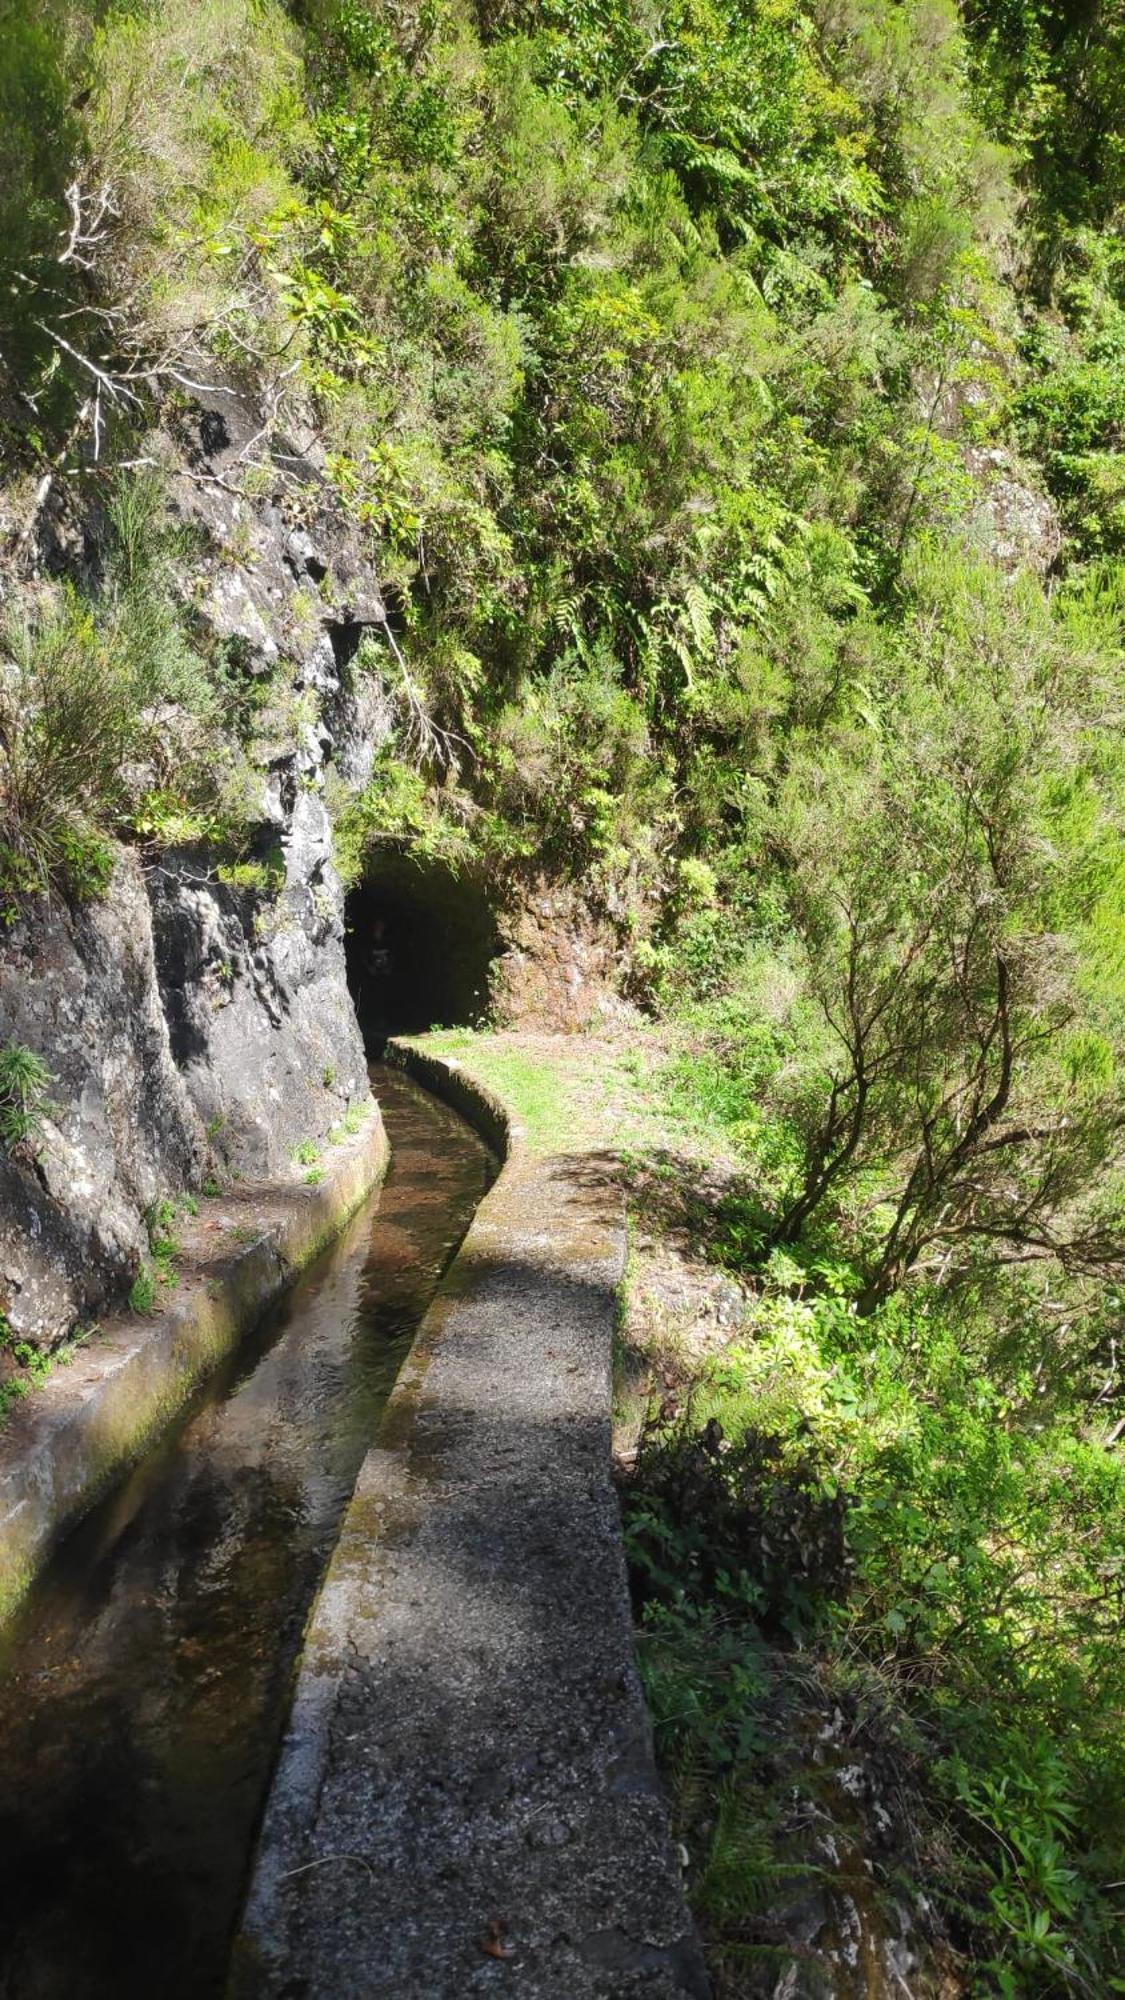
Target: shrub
{"type": "Point", "coordinates": [193, 115]}
{"type": "Point", "coordinates": [865, 1488]}
{"type": "Point", "coordinates": [83, 680]}
{"type": "Point", "coordinates": [68, 703]}
{"type": "Point", "coordinates": [400, 806]}
{"type": "Point", "coordinates": [267, 877]}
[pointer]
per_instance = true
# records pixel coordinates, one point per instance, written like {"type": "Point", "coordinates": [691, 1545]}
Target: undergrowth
{"type": "Point", "coordinates": [917, 1500]}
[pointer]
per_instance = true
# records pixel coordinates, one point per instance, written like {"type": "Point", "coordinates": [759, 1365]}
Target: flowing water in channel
{"type": "Point", "coordinates": [145, 1682]}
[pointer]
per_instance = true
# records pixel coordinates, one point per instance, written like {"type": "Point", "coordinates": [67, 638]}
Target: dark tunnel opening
{"type": "Point", "coordinates": [420, 942]}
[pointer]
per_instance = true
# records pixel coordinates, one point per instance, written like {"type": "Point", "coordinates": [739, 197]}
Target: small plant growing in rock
{"type": "Point", "coordinates": [324, 903]}
{"type": "Point", "coordinates": [266, 876]}
{"type": "Point", "coordinates": [37, 1364]}
{"type": "Point", "coordinates": [307, 1153]}
{"type": "Point", "coordinates": [163, 1243]}
{"type": "Point", "coordinates": [314, 1176]}
{"type": "Point", "coordinates": [11, 1392]}
{"type": "Point", "coordinates": [142, 1294]}
{"type": "Point", "coordinates": [159, 1218]}
{"type": "Point", "coordinates": [328, 1077]}
{"type": "Point", "coordinates": [33, 1363]}
{"type": "Point", "coordinates": [18, 881]}
{"type": "Point", "coordinates": [270, 923]}
{"type": "Point", "coordinates": [24, 1078]}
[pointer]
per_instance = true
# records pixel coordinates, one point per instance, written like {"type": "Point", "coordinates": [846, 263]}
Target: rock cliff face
{"type": "Point", "coordinates": [194, 1026]}
{"type": "Point", "coordinates": [81, 989]}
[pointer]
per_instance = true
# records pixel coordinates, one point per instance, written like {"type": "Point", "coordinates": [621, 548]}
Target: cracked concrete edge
{"type": "Point", "coordinates": [66, 1444]}
{"type": "Point", "coordinates": [383, 1502]}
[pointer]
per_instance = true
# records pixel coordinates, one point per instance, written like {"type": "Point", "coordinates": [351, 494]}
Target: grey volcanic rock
{"type": "Point", "coordinates": [80, 988]}
{"type": "Point", "coordinates": [193, 1025]}
{"type": "Point", "coordinates": [261, 1023]}
{"type": "Point", "coordinates": [232, 614]}
{"type": "Point", "coordinates": [1017, 521]}
{"type": "Point", "coordinates": [188, 1025]}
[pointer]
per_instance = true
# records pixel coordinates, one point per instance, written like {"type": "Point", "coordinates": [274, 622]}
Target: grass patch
{"type": "Point", "coordinates": [573, 1093]}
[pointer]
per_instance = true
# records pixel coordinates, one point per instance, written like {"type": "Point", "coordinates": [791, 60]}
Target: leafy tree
{"type": "Point", "coordinates": [941, 876]}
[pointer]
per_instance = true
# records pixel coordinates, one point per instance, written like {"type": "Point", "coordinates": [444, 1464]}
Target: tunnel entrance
{"type": "Point", "coordinates": [420, 941]}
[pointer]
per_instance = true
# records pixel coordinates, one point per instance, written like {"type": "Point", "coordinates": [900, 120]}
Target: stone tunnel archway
{"type": "Point", "coordinates": [420, 942]}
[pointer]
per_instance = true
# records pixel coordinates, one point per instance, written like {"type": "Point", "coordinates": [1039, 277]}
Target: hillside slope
{"type": "Point", "coordinates": [656, 474]}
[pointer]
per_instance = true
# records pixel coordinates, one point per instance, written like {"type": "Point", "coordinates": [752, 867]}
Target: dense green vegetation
{"type": "Point", "coordinates": [699, 373]}
{"type": "Point", "coordinates": [910, 1519]}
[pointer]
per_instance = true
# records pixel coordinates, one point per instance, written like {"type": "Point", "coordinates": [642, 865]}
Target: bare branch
{"type": "Point", "coordinates": [89, 214]}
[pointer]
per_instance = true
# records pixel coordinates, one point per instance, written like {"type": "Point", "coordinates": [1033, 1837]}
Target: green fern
{"type": "Point", "coordinates": [743, 1875]}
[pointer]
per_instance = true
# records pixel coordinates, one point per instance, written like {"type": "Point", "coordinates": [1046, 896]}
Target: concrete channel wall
{"type": "Point", "coordinates": [466, 1801]}
{"type": "Point", "coordinates": [65, 1445]}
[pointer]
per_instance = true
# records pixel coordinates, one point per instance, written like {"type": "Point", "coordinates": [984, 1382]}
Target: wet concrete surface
{"type": "Point", "coordinates": [145, 1680]}
{"type": "Point", "coordinates": [74, 1439]}
{"type": "Point", "coordinates": [466, 1803]}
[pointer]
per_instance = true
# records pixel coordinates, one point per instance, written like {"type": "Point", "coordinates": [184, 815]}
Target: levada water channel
{"type": "Point", "coordinates": [144, 1683]}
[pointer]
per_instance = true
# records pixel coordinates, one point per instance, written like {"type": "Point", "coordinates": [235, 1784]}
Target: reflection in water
{"type": "Point", "coordinates": [143, 1686]}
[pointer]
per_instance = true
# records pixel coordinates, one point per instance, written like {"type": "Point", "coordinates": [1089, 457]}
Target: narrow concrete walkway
{"type": "Point", "coordinates": [466, 1802]}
